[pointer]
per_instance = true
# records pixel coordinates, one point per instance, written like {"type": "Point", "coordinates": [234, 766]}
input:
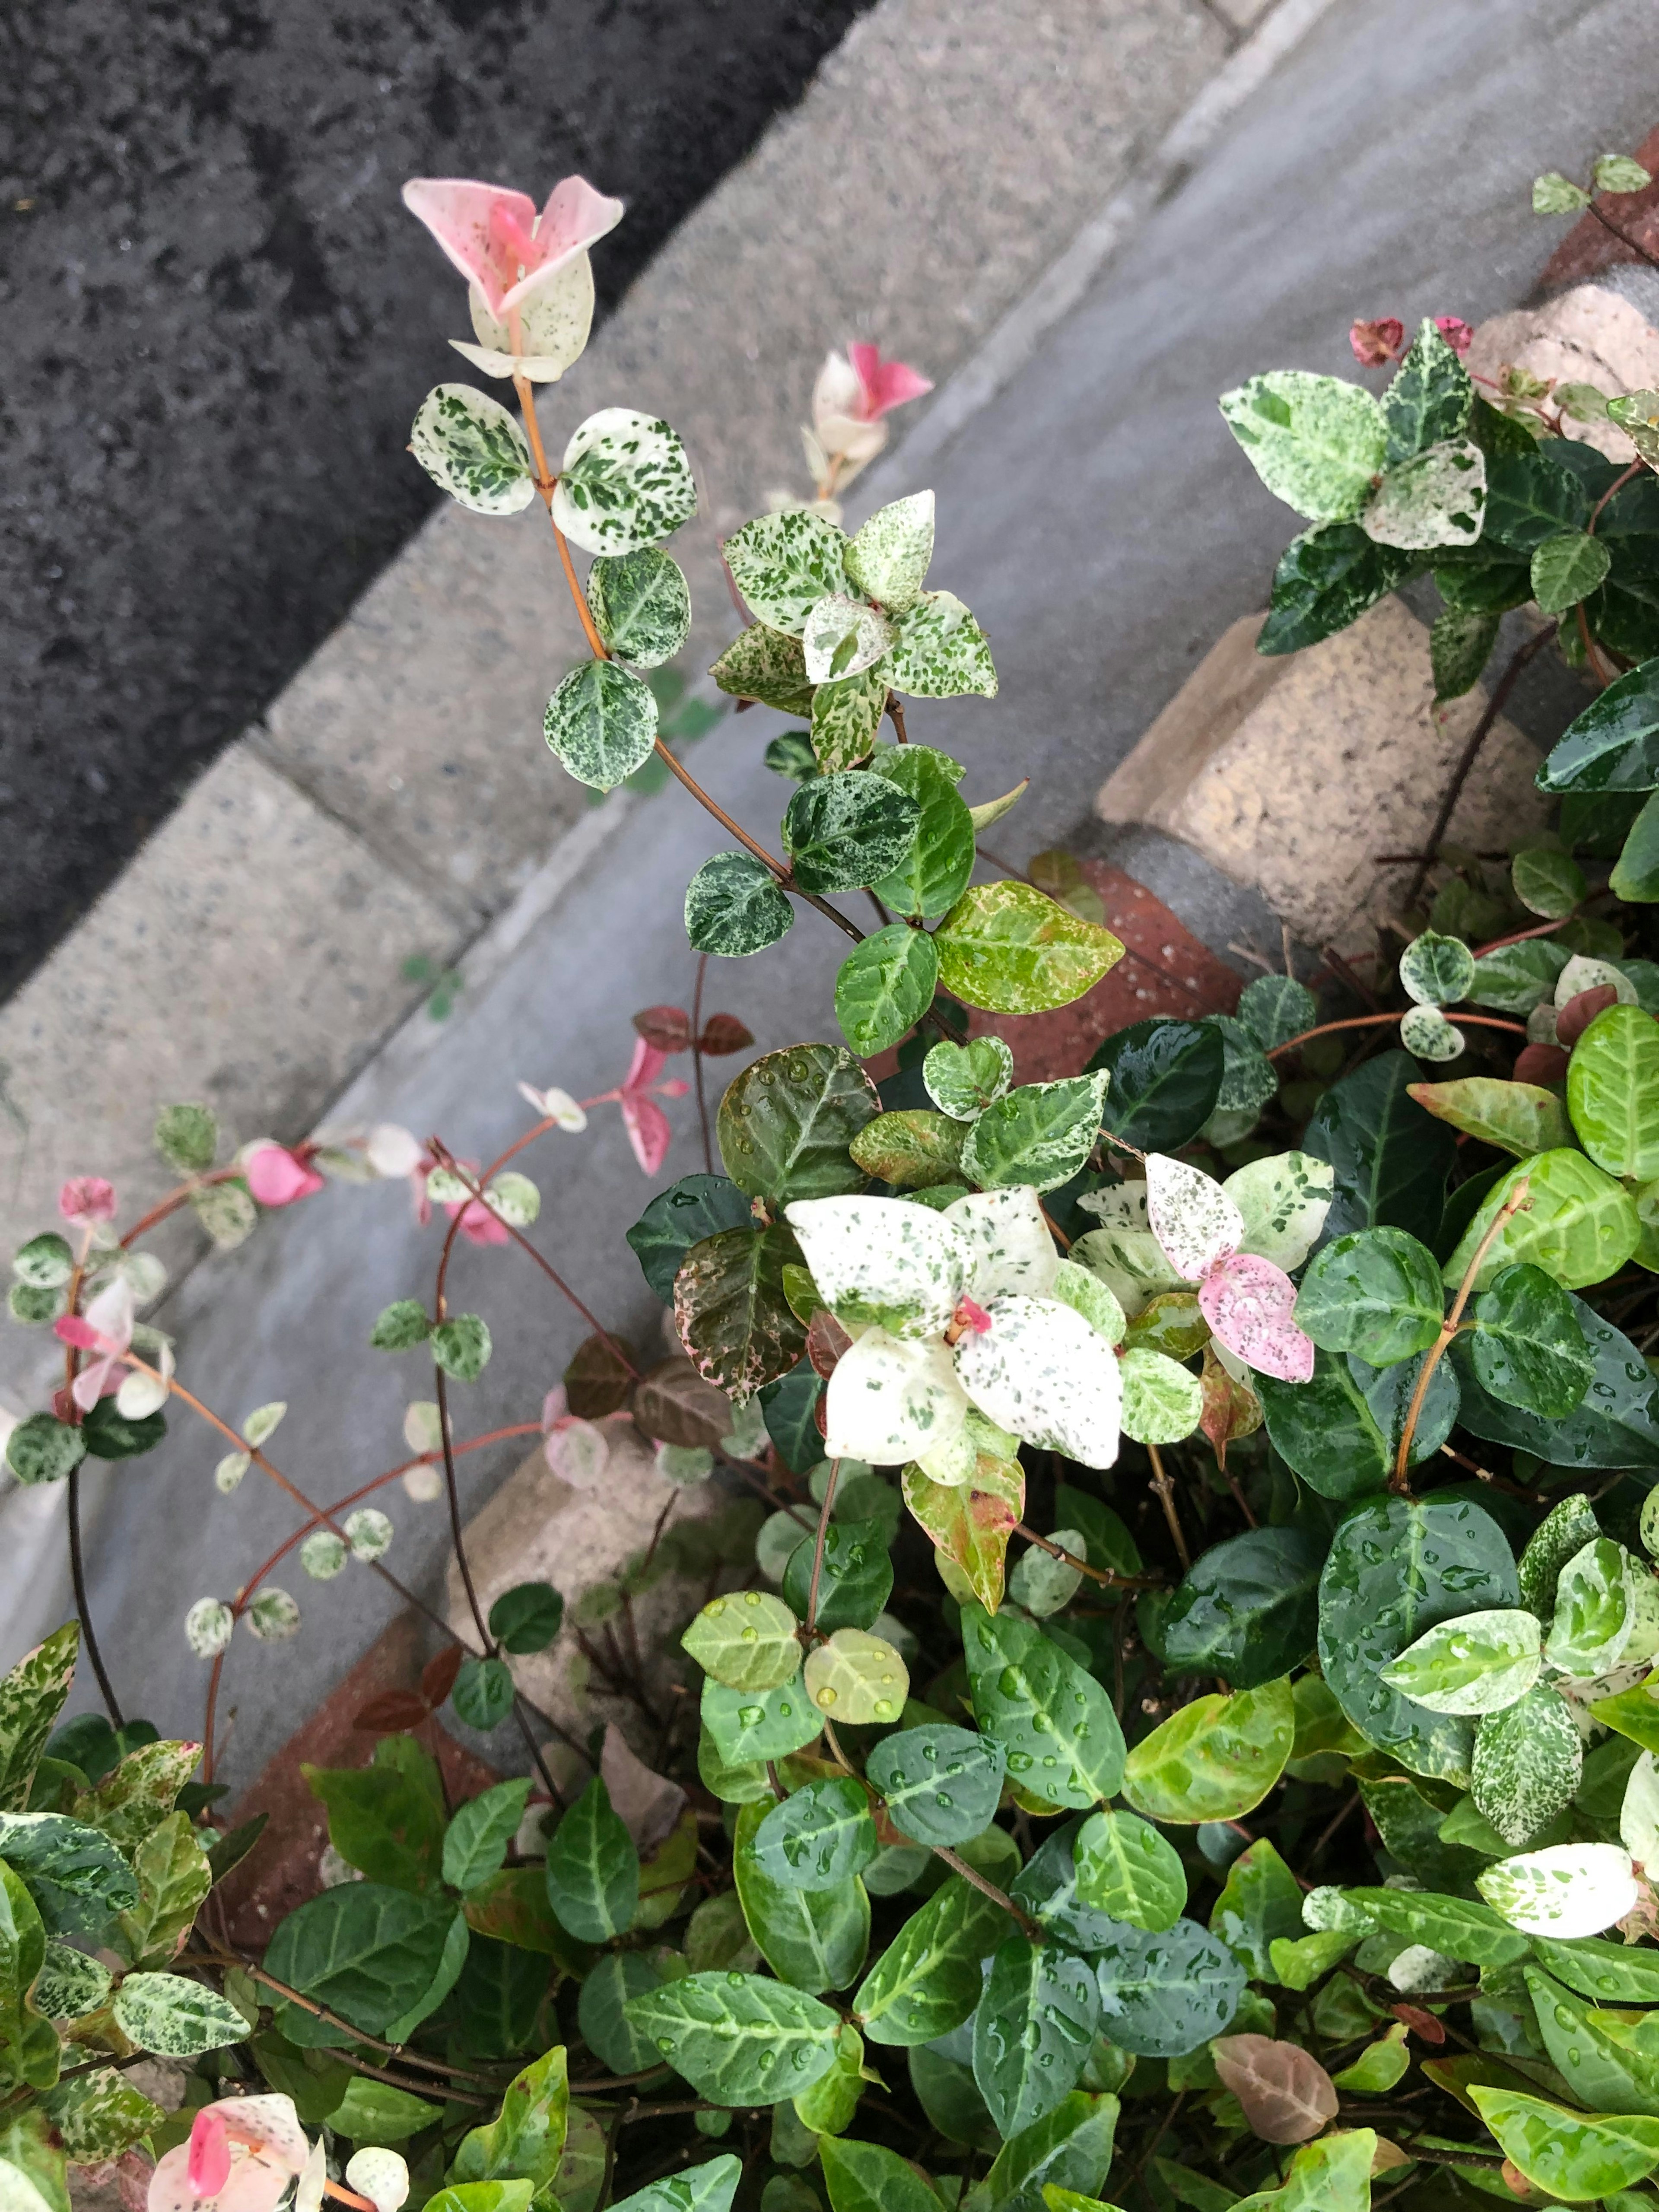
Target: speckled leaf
{"type": "Point", "coordinates": [884, 987]}
{"type": "Point", "coordinates": [1190, 1215]}
{"type": "Point", "coordinates": [1430, 399]}
{"type": "Point", "coordinates": [970, 1523]}
{"type": "Point", "coordinates": [1315, 442]}
{"type": "Point", "coordinates": [731, 1312]}
{"type": "Point", "coordinates": [1529, 1759]}
{"type": "Point", "coordinates": [175, 2017]}
{"type": "Point", "coordinates": [1563, 1891]}
{"type": "Point", "coordinates": [1438, 498]}
{"type": "Point", "coordinates": [1398, 1567]}
{"type": "Point", "coordinates": [30, 1697]}
{"type": "Point", "coordinates": [98, 2114]}
{"type": "Point", "coordinates": [1437, 970]}
{"type": "Point", "coordinates": [1460, 645]}
{"type": "Point", "coordinates": [1425, 1033]}
{"type": "Point", "coordinates": [1251, 1307]}
{"type": "Point", "coordinates": [1282, 1201]}
{"type": "Point", "coordinates": [892, 1399]}
{"type": "Point", "coordinates": [963, 1080]}
{"type": "Point", "coordinates": [1215, 1759]}
{"type": "Point", "coordinates": [1526, 1348]}
{"type": "Point", "coordinates": [1581, 1226]}
{"type": "Point", "coordinates": [941, 652]}
{"type": "Point", "coordinates": [911, 1149]}
{"type": "Point", "coordinates": [471, 447]}
{"type": "Point", "coordinates": [733, 907]}
{"type": "Point", "coordinates": [1040, 1371]}
{"type": "Point", "coordinates": [641, 605]}
{"type": "Point", "coordinates": [738, 2038]}
{"type": "Point", "coordinates": [602, 723]}
{"type": "Point", "coordinates": [1326, 579]}
{"type": "Point", "coordinates": [625, 483]}
{"type": "Point", "coordinates": [1006, 947]}
{"type": "Point", "coordinates": [845, 830]}
{"type": "Point", "coordinates": [843, 637]}
{"type": "Point", "coordinates": [1054, 1721]}
{"type": "Point", "coordinates": [1009, 1241]}
{"type": "Point", "coordinates": [845, 718]}
{"type": "Point", "coordinates": [783, 564]}
{"type": "Point", "coordinates": [787, 1121]}
{"type": "Point", "coordinates": [889, 555]}
{"type": "Point", "coordinates": [1595, 1609]}
{"type": "Point", "coordinates": [768, 665]}
{"type": "Point", "coordinates": [935, 872]}
{"type": "Point", "coordinates": [1039, 1134]}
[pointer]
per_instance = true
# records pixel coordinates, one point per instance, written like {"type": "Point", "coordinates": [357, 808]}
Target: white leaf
{"type": "Point", "coordinates": [577, 1451]}
{"type": "Point", "coordinates": [1439, 497]}
{"type": "Point", "coordinates": [1417, 1967]}
{"type": "Point", "coordinates": [1043, 1373]}
{"type": "Point", "coordinates": [1120, 1205]}
{"type": "Point", "coordinates": [891, 1399]}
{"type": "Point", "coordinates": [380, 2175]}
{"type": "Point", "coordinates": [1283, 1201]}
{"type": "Point", "coordinates": [323, 1555]}
{"type": "Point", "coordinates": [230, 1470]}
{"type": "Point", "coordinates": [263, 1421]}
{"type": "Point", "coordinates": [554, 323]}
{"type": "Point", "coordinates": [625, 483]}
{"type": "Point", "coordinates": [1581, 974]}
{"type": "Point", "coordinates": [423, 1484]}
{"type": "Point", "coordinates": [140, 1395]}
{"type": "Point", "coordinates": [423, 1427]}
{"type": "Point", "coordinates": [273, 1615]}
{"type": "Point", "coordinates": [1191, 1216]}
{"type": "Point", "coordinates": [208, 1626]}
{"type": "Point", "coordinates": [1012, 1246]}
{"type": "Point", "coordinates": [1095, 1300]}
{"type": "Point", "coordinates": [368, 1531]}
{"type": "Point", "coordinates": [1571, 1889]}
{"type": "Point", "coordinates": [882, 1260]}
{"type": "Point", "coordinates": [1480, 1663]}
{"type": "Point", "coordinates": [843, 637]}
{"type": "Point", "coordinates": [1426, 1033]}
{"type": "Point", "coordinates": [1639, 1816]}
{"type": "Point", "coordinates": [887, 558]}
{"type": "Point", "coordinates": [472, 447]}
{"type": "Point", "coordinates": [391, 1151]}
{"type": "Point", "coordinates": [1131, 1263]}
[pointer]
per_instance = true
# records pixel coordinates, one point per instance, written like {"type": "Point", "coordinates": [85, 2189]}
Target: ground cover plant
{"type": "Point", "coordinates": [1175, 1700]}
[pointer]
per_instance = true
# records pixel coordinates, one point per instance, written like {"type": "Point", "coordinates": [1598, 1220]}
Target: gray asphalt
{"type": "Point", "coordinates": [1098, 518]}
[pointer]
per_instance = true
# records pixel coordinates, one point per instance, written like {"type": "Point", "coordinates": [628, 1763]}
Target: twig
{"type": "Point", "coordinates": [818, 1548]}
{"type": "Point", "coordinates": [697, 1064]}
{"type": "Point", "coordinates": [1029, 1927]}
{"type": "Point", "coordinates": [1165, 1490]}
{"type": "Point", "coordinates": [1371, 1021]}
{"type": "Point", "coordinates": [1622, 234]}
{"type": "Point", "coordinates": [82, 1603]}
{"type": "Point", "coordinates": [1107, 1575]}
{"type": "Point", "coordinates": [1518, 1201]}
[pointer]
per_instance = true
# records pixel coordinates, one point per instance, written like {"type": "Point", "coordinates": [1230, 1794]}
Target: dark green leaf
{"type": "Point", "coordinates": [1527, 1348]}
{"type": "Point", "coordinates": [1325, 1428]}
{"type": "Point", "coordinates": [1047, 1886]}
{"type": "Point", "coordinates": [527, 1617]}
{"type": "Point", "coordinates": [1615, 1424]}
{"type": "Point", "coordinates": [884, 987]}
{"type": "Point", "coordinates": [941, 1784]}
{"type": "Point", "coordinates": [820, 1836]}
{"type": "Point", "coordinates": [366, 1951]}
{"type": "Point", "coordinates": [1429, 399]}
{"type": "Point", "coordinates": [1273, 1008]}
{"type": "Point", "coordinates": [593, 1869]}
{"type": "Point", "coordinates": [787, 1121]}
{"type": "Point", "coordinates": [1054, 1720]}
{"type": "Point", "coordinates": [1032, 2029]}
{"type": "Point", "coordinates": [1163, 1994]}
{"type": "Point", "coordinates": [483, 1695]}
{"type": "Point", "coordinates": [789, 1408]}
{"type": "Point", "coordinates": [495, 2005]}
{"type": "Point", "coordinates": [601, 2013]}
{"type": "Point", "coordinates": [697, 1206]}
{"type": "Point", "coordinates": [856, 1579]}
{"type": "Point", "coordinates": [730, 1310]}
{"type": "Point", "coordinates": [845, 830]}
{"type": "Point", "coordinates": [936, 871]}
{"type": "Point", "coordinates": [1165, 1080]}
{"type": "Point", "coordinates": [461, 1346]}
{"type": "Point", "coordinates": [1248, 1608]}
{"type": "Point", "coordinates": [1460, 645]}
{"type": "Point", "coordinates": [1397, 1568]}
{"type": "Point", "coordinates": [738, 2039]}
{"type": "Point", "coordinates": [1326, 579]}
{"type": "Point", "coordinates": [814, 1938]}
{"type": "Point", "coordinates": [1613, 746]}
{"type": "Point", "coordinates": [1388, 1392]}
{"type": "Point", "coordinates": [1377, 1292]}
{"type": "Point", "coordinates": [399, 1325]}
{"type": "Point", "coordinates": [1531, 496]}
{"type": "Point", "coordinates": [733, 907]}
{"type": "Point", "coordinates": [1391, 1159]}
{"type": "Point", "coordinates": [927, 1981]}
{"type": "Point", "coordinates": [474, 1843]}
{"type": "Point", "coordinates": [386, 1819]}
{"type": "Point", "coordinates": [108, 1433]}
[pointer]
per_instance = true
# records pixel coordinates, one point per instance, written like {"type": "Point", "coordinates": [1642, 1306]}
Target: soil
{"type": "Point", "coordinates": [216, 319]}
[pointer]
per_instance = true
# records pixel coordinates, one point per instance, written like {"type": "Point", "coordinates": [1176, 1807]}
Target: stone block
{"type": "Point", "coordinates": [1294, 775]}
{"type": "Point", "coordinates": [1587, 336]}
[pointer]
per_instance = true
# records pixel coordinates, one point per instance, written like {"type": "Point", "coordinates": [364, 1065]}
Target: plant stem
{"type": "Point", "coordinates": [1027, 1927]}
{"type": "Point", "coordinates": [83, 1604]}
{"type": "Point", "coordinates": [1518, 1201]}
{"type": "Point", "coordinates": [1371, 1021]}
{"type": "Point", "coordinates": [1478, 736]}
{"type": "Point", "coordinates": [1107, 1575]}
{"type": "Point", "coordinates": [1165, 1489]}
{"type": "Point", "coordinates": [1622, 234]}
{"type": "Point", "coordinates": [896, 708]}
{"type": "Point", "coordinates": [818, 1548]}
{"type": "Point", "coordinates": [785, 880]}
{"type": "Point", "coordinates": [697, 1063]}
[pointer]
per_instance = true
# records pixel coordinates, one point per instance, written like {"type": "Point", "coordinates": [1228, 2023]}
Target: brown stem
{"type": "Point", "coordinates": [1104, 1575]}
{"type": "Point", "coordinates": [1590, 655]}
{"type": "Point", "coordinates": [83, 1604]}
{"type": "Point", "coordinates": [896, 708]}
{"type": "Point", "coordinates": [1165, 1489]}
{"type": "Point", "coordinates": [1027, 1927]}
{"type": "Point", "coordinates": [1621, 234]}
{"type": "Point", "coordinates": [787, 882]}
{"type": "Point", "coordinates": [1520, 936]}
{"type": "Point", "coordinates": [1370, 1021]}
{"type": "Point", "coordinates": [1518, 1201]}
{"type": "Point", "coordinates": [1613, 492]}
{"type": "Point", "coordinates": [818, 1548]}
{"type": "Point", "coordinates": [1477, 738]}
{"type": "Point", "coordinates": [411, 2059]}
{"type": "Point", "coordinates": [697, 1063]}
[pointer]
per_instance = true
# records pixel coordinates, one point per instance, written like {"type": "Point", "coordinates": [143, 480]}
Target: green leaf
{"type": "Point", "coordinates": [28, 2042]}
{"type": "Point", "coordinates": [864, 2177]}
{"type": "Point", "coordinates": [1566, 569]}
{"type": "Point", "coordinates": [1534, 495]}
{"type": "Point", "coordinates": [400, 1326]}
{"type": "Point", "coordinates": [1590, 2051]}
{"type": "Point", "coordinates": [1126, 1868]}
{"type": "Point", "coordinates": [884, 987]}
{"type": "Point", "coordinates": [98, 2114]}
{"type": "Point", "coordinates": [140, 1792]}
{"type": "Point", "coordinates": [747, 1725]}
{"type": "Point", "coordinates": [1326, 579]}
{"type": "Point", "coordinates": [461, 1346]}
{"type": "Point", "coordinates": [1326, 1430]}
{"type": "Point", "coordinates": [1165, 1081]}
{"type": "Point", "coordinates": [1315, 441]}
{"type": "Point", "coordinates": [70, 1984]}
{"type": "Point", "coordinates": [1032, 2029]}
{"type": "Point", "coordinates": [942, 651]}
{"type": "Point", "coordinates": [1458, 1927]}
{"type": "Point", "coordinates": [767, 665]}
{"type": "Point", "coordinates": [108, 1433]}
{"type": "Point", "coordinates": [697, 1206]}
{"type": "Point", "coordinates": [368, 1953]}
{"type": "Point", "coordinates": [173, 1877]}
{"type": "Point", "coordinates": [812, 1938]}
{"type": "Point", "coordinates": [1615, 1424]}
{"type": "Point", "coordinates": [860, 1677]}
{"type": "Point", "coordinates": [787, 1121]}
{"type": "Point", "coordinates": [1563, 2153]}
{"type": "Point", "coordinates": [1613, 746]}
{"type": "Point", "coordinates": [386, 1819]}
{"type": "Point", "coordinates": [1054, 1720]}
{"type": "Point", "coordinates": [747, 1641]}
{"type": "Point", "coordinates": [1518, 977]}
{"type": "Point", "coordinates": [730, 1308]}
{"type": "Point", "coordinates": [1398, 1567]}
{"type": "Point", "coordinates": [524, 2142]}
{"type": "Point", "coordinates": [1526, 1348]}
{"type": "Point", "coordinates": [1612, 1092]}
{"type": "Point", "coordinates": [1521, 1118]}
{"type": "Point", "coordinates": [1460, 645]}
{"type": "Point", "coordinates": [1273, 1008]}
{"type": "Point", "coordinates": [1527, 1762]}
{"type": "Point", "coordinates": [1613, 1973]}
{"type": "Point", "coordinates": [625, 483]}
{"type": "Point", "coordinates": [1061, 2161]}
{"type": "Point", "coordinates": [1436, 499]}
{"type": "Point", "coordinates": [819, 1837]}
{"type": "Point", "coordinates": [935, 872]}
{"type": "Point", "coordinates": [783, 564]}
{"type": "Point", "coordinates": [845, 830]}
{"type": "Point", "coordinates": [527, 1617]}
{"type": "Point", "coordinates": [1247, 1609]}
{"type": "Point", "coordinates": [738, 2039]}
{"type": "Point", "coordinates": [1390, 1159]}
{"type": "Point", "coordinates": [1429, 398]}
{"type": "Point", "coordinates": [1006, 948]}
{"type": "Point", "coordinates": [175, 2017]}
{"type": "Point", "coordinates": [187, 1137]}
{"type": "Point", "coordinates": [471, 447]}
{"type": "Point", "coordinates": [1478, 1663]}
{"type": "Point", "coordinates": [43, 1449]}
{"type": "Point", "coordinates": [1260, 1903]}
{"type": "Point", "coordinates": [941, 1784]}
{"type": "Point", "coordinates": [1039, 1134]}
{"type": "Point", "coordinates": [733, 907]}
{"type": "Point", "coordinates": [1635, 874]}
{"type": "Point", "coordinates": [856, 1576]}
{"type": "Point", "coordinates": [602, 723]}
{"type": "Point", "coordinates": [1554, 194]}
{"type": "Point", "coordinates": [846, 719]}
{"type": "Point", "coordinates": [1163, 1994]}
{"type": "Point", "coordinates": [1595, 1609]}
{"type": "Point", "coordinates": [641, 605]}
{"type": "Point", "coordinates": [1377, 1292]}
{"type": "Point", "coordinates": [1214, 1759]}
{"type": "Point", "coordinates": [1581, 1227]}
{"type": "Point", "coordinates": [911, 1149]}
{"type": "Point", "coordinates": [1437, 970]}
{"type": "Point", "coordinates": [45, 1262]}
{"type": "Point", "coordinates": [1163, 1402]}
{"type": "Point", "coordinates": [1547, 882]}
{"type": "Point", "coordinates": [593, 1869]}
{"type": "Point", "coordinates": [483, 1695]}
{"type": "Point", "coordinates": [474, 1843]}
{"type": "Point", "coordinates": [927, 1981]}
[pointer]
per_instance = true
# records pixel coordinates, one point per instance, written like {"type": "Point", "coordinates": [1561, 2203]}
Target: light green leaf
{"type": "Point", "coordinates": [1435, 970]}
{"type": "Point", "coordinates": [856, 1678]}
{"type": "Point", "coordinates": [1126, 1868]}
{"type": "Point", "coordinates": [1564, 1890]}
{"type": "Point", "coordinates": [1581, 1227]}
{"type": "Point", "coordinates": [1478, 1663]}
{"type": "Point", "coordinates": [1039, 1134]}
{"type": "Point", "coordinates": [175, 2017]}
{"type": "Point", "coordinates": [1163, 1402]}
{"type": "Point", "coordinates": [1283, 1200]}
{"type": "Point", "coordinates": [98, 2114]}
{"type": "Point", "coordinates": [31, 1698]}
{"type": "Point", "coordinates": [746, 1641]}
{"type": "Point", "coordinates": [889, 555]}
{"type": "Point", "coordinates": [1612, 1092]}
{"type": "Point", "coordinates": [1546, 881]}
{"type": "Point", "coordinates": [1595, 1609]}
{"type": "Point", "coordinates": [602, 723]}
{"type": "Point", "coordinates": [461, 1346]}
{"type": "Point", "coordinates": [1006, 947]}
{"type": "Point", "coordinates": [1215, 1759]}
{"type": "Point", "coordinates": [641, 605]}
{"type": "Point", "coordinates": [1260, 1905]}
{"type": "Point", "coordinates": [814, 1938]}
{"type": "Point", "coordinates": [1054, 1720]}
{"type": "Point", "coordinates": [1041, 1584]}
{"type": "Point", "coordinates": [864, 2177]}
{"type": "Point", "coordinates": [1315, 442]}
{"type": "Point", "coordinates": [174, 1876]}
{"type": "Point", "coordinates": [1457, 1927]}
{"type": "Point", "coordinates": [625, 483]}
{"type": "Point", "coordinates": [1564, 2154]}
{"type": "Point", "coordinates": [911, 1149]}
{"type": "Point", "coordinates": [1376, 1293]}
{"type": "Point", "coordinates": [941, 652]}
{"type": "Point", "coordinates": [767, 665]}
{"type": "Point", "coordinates": [476, 1841]}
{"type": "Point", "coordinates": [1554, 194]}
{"type": "Point", "coordinates": [1566, 569]}
{"type": "Point", "coordinates": [927, 1981]}
{"type": "Point", "coordinates": [526, 2141]}
{"type": "Point", "coordinates": [847, 717]}
{"type": "Point", "coordinates": [739, 2040]}
{"type": "Point", "coordinates": [1636, 872]}
{"type": "Point", "coordinates": [471, 447]}
{"type": "Point", "coordinates": [746, 1726]}
{"type": "Point", "coordinates": [1518, 977]}
{"type": "Point", "coordinates": [884, 987]}
{"type": "Point", "coordinates": [935, 872]}
{"type": "Point", "coordinates": [1521, 1118]}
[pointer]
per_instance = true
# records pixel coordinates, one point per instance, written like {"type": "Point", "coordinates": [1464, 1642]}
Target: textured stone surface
{"type": "Point", "coordinates": [1294, 775]}
{"type": "Point", "coordinates": [1587, 336]}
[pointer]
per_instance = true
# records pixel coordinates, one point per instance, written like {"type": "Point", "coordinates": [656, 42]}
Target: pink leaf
{"type": "Point", "coordinates": [209, 2166]}
{"type": "Point", "coordinates": [1248, 1303]}
{"type": "Point", "coordinates": [1372, 344]}
{"type": "Point", "coordinates": [885, 384]}
{"type": "Point", "coordinates": [648, 1130]}
{"type": "Point", "coordinates": [1286, 2094]}
{"type": "Point", "coordinates": [84, 1200]}
{"type": "Point", "coordinates": [491, 234]}
{"type": "Point", "coordinates": [276, 1177]}
{"type": "Point", "coordinates": [74, 1329]}
{"type": "Point", "coordinates": [1455, 331]}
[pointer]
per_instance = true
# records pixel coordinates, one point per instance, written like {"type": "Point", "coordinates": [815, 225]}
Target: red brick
{"type": "Point", "coordinates": [1589, 247]}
